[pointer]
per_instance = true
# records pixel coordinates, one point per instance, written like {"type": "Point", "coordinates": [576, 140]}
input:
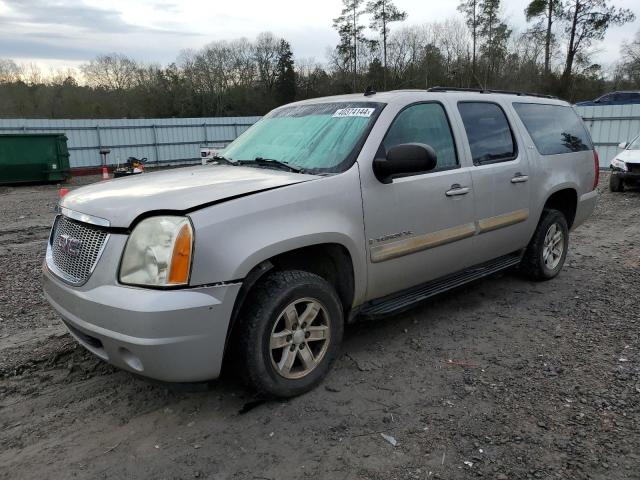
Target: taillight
{"type": "Point", "coordinates": [596, 166]}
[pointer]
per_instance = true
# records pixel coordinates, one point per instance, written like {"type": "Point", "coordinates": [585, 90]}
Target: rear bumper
{"type": "Point", "coordinates": [176, 336]}
{"type": "Point", "coordinates": [585, 207]}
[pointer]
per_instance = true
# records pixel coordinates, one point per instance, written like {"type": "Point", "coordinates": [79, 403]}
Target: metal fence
{"type": "Point", "coordinates": [609, 126]}
{"type": "Point", "coordinates": [161, 140]}
{"type": "Point", "coordinates": [178, 140]}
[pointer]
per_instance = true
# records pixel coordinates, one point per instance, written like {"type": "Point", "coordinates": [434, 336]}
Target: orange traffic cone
{"type": "Point", "coordinates": [105, 173]}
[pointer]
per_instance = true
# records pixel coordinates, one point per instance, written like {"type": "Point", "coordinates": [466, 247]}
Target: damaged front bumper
{"type": "Point", "coordinates": [627, 176]}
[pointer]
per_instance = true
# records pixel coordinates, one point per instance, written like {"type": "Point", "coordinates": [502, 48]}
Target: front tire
{"type": "Point", "coordinates": [616, 184]}
{"type": "Point", "coordinates": [547, 250]}
{"type": "Point", "coordinates": [290, 333]}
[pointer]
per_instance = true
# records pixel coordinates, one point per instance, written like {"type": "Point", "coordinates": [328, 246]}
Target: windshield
{"type": "Point", "coordinates": [320, 138]}
{"type": "Point", "coordinates": [635, 144]}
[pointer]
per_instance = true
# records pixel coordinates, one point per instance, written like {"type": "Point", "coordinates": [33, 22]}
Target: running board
{"type": "Point", "coordinates": [396, 303]}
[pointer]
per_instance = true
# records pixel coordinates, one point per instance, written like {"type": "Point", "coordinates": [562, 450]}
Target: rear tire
{"type": "Point", "coordinates": [616, 184]}
{"type": "Point", "coordinates": [547, 250]}
{"type": "Point", "coordinates": [289, 333]}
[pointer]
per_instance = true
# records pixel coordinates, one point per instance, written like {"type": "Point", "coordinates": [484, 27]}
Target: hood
{"type": "Point", "coordinates": [121, 201]}
{"type": "Point", "coordinates": [629, 156]}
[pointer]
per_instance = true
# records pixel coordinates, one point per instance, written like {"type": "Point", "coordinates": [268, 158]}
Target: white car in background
{"type": "Point", "coordinates": [625, 167]}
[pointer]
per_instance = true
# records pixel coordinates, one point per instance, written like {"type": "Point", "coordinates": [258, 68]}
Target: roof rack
{"type": "Point", "coordinates": [484, 90]}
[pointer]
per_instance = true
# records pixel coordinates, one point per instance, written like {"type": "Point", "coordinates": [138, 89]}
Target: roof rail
{"type": "Point", "coordinates": [484, 90]}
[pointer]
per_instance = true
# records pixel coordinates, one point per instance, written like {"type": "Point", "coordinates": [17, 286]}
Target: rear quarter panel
{"type": "Point", "coordinates": [552, 173]}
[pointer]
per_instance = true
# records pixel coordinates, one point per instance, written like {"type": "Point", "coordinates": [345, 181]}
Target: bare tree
{"type": "Point", "coordinates": [266, 58]}
{"type": "Point", "coordinates": [111, 72]}
{"type": "Point", "coordinates": [10, 71]}
{"type": "Point", "coordinates": [630, 65]}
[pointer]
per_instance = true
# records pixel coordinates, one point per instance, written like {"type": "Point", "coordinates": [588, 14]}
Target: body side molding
{"type": "Point", "coordinates": [406, 246]}
{"type": "Point", "coordinates": [380, 253]}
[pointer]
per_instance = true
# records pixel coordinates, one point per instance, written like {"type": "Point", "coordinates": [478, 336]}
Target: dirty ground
{"type": "Point", "coordinates": [502, 379]}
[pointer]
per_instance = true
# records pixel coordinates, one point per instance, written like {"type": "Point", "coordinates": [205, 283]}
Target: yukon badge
{"type": "Point", "coordinates": [69, 245]}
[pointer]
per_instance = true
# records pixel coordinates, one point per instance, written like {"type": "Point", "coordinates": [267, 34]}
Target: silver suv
{"type": "Point", "coordinates": [324, 211]}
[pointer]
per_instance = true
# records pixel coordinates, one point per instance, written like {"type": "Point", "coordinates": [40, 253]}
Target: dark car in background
{"type": "Point", "coordinates": [614, 98]}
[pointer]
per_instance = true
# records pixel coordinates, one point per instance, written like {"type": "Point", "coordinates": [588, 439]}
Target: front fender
{"type": "Point", "coordinates": [233, 237]}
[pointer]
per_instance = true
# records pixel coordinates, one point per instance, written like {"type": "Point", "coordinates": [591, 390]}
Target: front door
{"type": "Point", "coordinates": [500, 178]}
{"type": "Point", "coordinates": [419, 227]}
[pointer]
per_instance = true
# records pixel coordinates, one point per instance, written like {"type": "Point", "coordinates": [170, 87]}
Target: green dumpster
{"type": "Point", "coordinates": [34, 158]}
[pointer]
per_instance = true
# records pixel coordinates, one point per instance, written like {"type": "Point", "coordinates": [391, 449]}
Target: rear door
{"type": "Point", "coordinates": [500, 178]}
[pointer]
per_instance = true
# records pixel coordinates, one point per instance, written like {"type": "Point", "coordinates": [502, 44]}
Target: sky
{"type": "Point", "coordinates": [57, 34]}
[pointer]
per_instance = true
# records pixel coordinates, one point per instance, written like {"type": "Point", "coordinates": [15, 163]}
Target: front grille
{"type": "Point", "coordinates": [633, 167]}
{"type": "Point", "coordinates": [75, 249]}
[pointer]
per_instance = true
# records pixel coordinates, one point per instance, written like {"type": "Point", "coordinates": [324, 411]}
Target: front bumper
{"type": "Point", "coordinates": [169, 335]}
{"type": "Point", "coordinates": [627, 176]}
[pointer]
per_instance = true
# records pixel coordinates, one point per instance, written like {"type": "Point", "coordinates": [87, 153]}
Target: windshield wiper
{"type": "Point", "coordinates": [270, 162]}
{"type": "Point", "coordinates": [217, 158]}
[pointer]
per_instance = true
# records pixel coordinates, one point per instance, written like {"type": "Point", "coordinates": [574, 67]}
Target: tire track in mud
{"type": "Point", "coordinates": [19, 236]}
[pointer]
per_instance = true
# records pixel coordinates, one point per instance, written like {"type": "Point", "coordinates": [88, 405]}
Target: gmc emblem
{"type": "Point", "coordinates": [69, 245]}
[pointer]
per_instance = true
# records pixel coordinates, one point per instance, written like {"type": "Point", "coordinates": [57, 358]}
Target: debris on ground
{"type": "Point", "coordinates": [542, 377]}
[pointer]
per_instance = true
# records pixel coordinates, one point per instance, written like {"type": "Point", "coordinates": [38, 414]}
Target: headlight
{"type": "Point", "coordinates": [158, 253]}
{"type": "Point", "coordinates": [619, 164]}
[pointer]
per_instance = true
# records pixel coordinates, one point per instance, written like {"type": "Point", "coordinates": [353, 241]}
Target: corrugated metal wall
{"type": "Point", "coordinates": [609, 126]}
{"type": "Point", "coordinates": [178, 140]}
{"type": "Point", "coordinates": [161, 140]}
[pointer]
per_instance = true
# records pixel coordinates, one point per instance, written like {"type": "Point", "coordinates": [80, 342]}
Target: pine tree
{"type": "Point", "coordinates": [494, 33]}
{"type": "Point", "coordinates": [383, 13]}
{"type": "Point", "coordinates": [351, 32]}
{"type": "Point", "coordinates": [548, 11]}
{"type": "Point", "coordinates": [286, 78]}
{"type": "Point", "coordinates": [470, 10]}
{"type": "Point", "coordinates": [588, 20]}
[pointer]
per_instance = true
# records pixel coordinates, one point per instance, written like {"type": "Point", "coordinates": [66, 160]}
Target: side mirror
{"type": "Point", "coordinates": [623, 145]}
{"type": "Point", "coordinates": [405, 158]}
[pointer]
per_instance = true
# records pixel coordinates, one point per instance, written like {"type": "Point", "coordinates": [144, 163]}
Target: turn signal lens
{"type": "Point", "coordinates": [181, 258]}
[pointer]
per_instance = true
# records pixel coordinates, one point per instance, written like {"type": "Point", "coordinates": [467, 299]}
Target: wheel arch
{"type": "Point", "coordinates": [331, 260]}
{"type": "Point", "coordinates": [565, 200]}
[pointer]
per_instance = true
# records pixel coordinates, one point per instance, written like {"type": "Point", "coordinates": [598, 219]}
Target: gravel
{"type": "Point", "coordinates": [503, 379]}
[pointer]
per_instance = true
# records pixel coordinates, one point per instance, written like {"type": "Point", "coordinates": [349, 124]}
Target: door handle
{"type": "Point", "coordinates": [456, 190]}
{"type": "Point", "coordinates": [519, 178]}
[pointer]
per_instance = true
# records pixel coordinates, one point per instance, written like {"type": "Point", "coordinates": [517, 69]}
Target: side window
{"type": "Point", "coordinates": [490, 136]}
{"type": "Point", "coordinates": [606, 98]}
{"type": "Point", "coordinates": [424, 123]}
{"type": "Point", "coordinates": [554, 129]}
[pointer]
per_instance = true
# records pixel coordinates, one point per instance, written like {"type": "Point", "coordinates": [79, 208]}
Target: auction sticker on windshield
{"type": "Point", "coordinates": [354, 112]}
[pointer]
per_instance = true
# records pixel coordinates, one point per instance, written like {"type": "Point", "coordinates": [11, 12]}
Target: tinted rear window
{"type": "Point", "coordinates": [488, 131]}
{"type": "Point", "coordinates": [554, 128]}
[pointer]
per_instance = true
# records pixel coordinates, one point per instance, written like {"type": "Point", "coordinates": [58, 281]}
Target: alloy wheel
{"type": "Point", "coordinates": [553, 246]}
{"type": "Point", "coordinates": [299, 338]}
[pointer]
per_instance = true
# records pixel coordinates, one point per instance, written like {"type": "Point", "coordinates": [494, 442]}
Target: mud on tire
{"type": "Point", "coordinates": [278, 305]}
{"type": "Point", "coordinates": [535, 263]}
